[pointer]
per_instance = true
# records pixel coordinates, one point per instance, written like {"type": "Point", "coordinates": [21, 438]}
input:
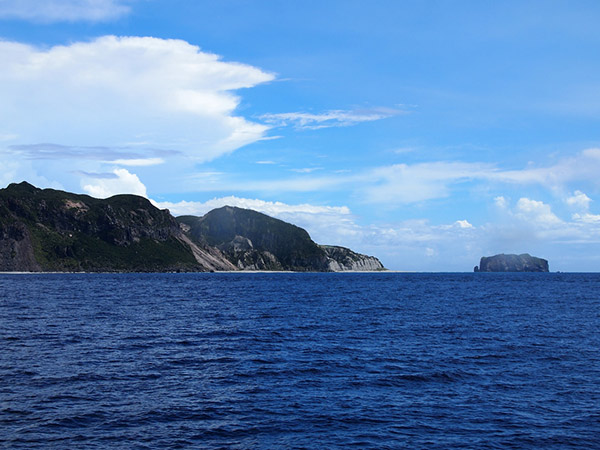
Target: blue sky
{"type": "Point", "coordinates": [427, 133]}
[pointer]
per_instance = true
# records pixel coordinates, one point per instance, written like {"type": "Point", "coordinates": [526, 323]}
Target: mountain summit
{"type": "Point", "coordinates": [255, 241]}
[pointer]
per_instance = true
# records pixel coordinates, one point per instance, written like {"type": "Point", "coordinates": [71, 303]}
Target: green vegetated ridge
{"type": "Point", "coordinates": [52, 230]}
{"type": "Point", "coordinates": [70, 232]}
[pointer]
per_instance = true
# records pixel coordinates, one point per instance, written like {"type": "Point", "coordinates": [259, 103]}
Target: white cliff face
{"type": "Point", "coordinates": [335, 266]}
{"type": "Point", "coordinates": [342, 259]}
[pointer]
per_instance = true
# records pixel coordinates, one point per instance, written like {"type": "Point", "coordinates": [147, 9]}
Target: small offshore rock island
{"type": "Point", "coordinates": [47, 230]}
{"type": "Point", "coordinates": [512, 263]}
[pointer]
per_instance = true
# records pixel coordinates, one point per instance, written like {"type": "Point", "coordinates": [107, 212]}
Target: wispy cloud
{"type": "Point", "coordinates": [64, 10]}
{"type": "Point", "coordinates": [121, 155]}
{"type": "Point", "coordinates": [97, 175]}
{"type": "Point", "coordinates": [140, 162]}
{"type": "Point", "coordinates": [401, 184]}
{"type": "Point", "coordinates": [306, 169]}
{"type": "Point", "coordinates": [333, 118]}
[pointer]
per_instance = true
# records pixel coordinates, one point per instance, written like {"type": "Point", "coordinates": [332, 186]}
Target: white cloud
{"type": "Point", "coordinates": [587, 218]}
{"type": "Point", "coordinates": [500, 202]}
{"type": "Point", "coordinates": [404, 150]}
{"type": "Point", "coordinates": [402, 183]}
{"type": "Point", "coordinates": [138, 162]}
{"type": "Point", "coordinates": [169, 93]}
{"type": "Point", "coordinates": [63, 10]}
{"type": "Point", "coordinates": [123, 182]}
{"type": "Point", "coordinates": [534, 221]}
{"type": "Point", "coordinates": [584, 166]}
{"type": "Point", "coordinates": [274, 209]}
{"type": "Point", "coordinates": [334, 118]}
{"type": "Point", "coordinates": [579, 201]}
{"type": "Point", "coordinates": [306, 169]}
{"type": "Point", "coordinates": [536, 213]}
{"type": "Point", "coordinates": [463, 224]}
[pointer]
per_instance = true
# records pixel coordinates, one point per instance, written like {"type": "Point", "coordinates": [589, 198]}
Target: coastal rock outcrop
{"type": "Point", "coordinates": [52, 230]}
{"type": "Point", "coordinates": [343, 259]}
{"type": "Point", "coordinates": [512, 263]}
{"type": "Point", "coordinates": [255, 241]}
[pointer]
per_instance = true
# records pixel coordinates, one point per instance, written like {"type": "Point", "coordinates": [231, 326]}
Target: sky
{"type": "Point", "coordinates": [428, 133]}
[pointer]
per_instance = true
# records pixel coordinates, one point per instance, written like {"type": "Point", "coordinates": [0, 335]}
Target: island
{"type": "Point", "coordinates": [44, 230]}
{"type": "Point", "coordinates": [512, 263]}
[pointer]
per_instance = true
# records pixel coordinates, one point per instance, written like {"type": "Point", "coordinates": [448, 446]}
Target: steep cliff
{"type": "Point", "coordinates": [342, 259]}
{"type": "Point", "coordinates": [52, 230]}
{"type": "Point", "coordinates": [512, 263]}
{"type": "Point", "coordinates": [255, 241]}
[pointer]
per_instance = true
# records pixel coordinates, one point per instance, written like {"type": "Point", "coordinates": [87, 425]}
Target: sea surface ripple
{"type": "Point", "coordinates": [300, 361]}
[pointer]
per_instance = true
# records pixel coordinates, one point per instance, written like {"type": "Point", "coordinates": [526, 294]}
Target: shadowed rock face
{"type": "Point", "coordinates": [512, 263]}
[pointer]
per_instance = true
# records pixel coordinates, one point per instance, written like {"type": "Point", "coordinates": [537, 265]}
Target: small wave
{"type": "Point", "coordinates": [423, 377]}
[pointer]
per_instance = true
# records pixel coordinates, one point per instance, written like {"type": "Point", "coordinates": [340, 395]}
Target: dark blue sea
{"type": "Point", "coordinates": [300, 361]}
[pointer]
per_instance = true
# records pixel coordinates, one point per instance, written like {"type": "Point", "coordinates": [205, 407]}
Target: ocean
{"type": "Point", "coordinates": [300, 361]}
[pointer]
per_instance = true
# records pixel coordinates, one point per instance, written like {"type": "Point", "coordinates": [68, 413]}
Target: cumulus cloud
{"type": "Point", "coordinates": [533, 220]}
{"type": "Point", "coordinates": [579, 201]}
{"type": "Point", "coordinates": [334, 118]}
{"type": "Point", "coordinates": [536, 212]}
{"type": "Point", "coordinates": [121, 182]}
{"type": "Point", "coordinates": [137, 95]}
{"type": "Point", "coordinates": [63, 10]}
